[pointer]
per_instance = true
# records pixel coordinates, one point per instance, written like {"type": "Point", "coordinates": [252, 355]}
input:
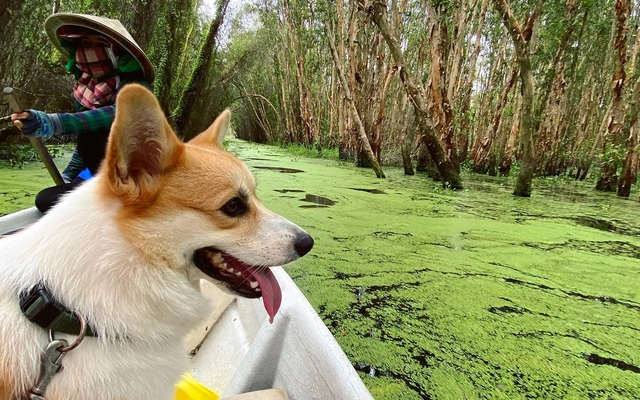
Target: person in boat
{"type": "Point", "coordinates": [103, 57]}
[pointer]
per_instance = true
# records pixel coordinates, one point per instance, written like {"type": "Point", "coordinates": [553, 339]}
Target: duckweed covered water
{"type": "Point", "coordinates": [18, 187]}
{"type": "Point", "coordinates": [472, 294]}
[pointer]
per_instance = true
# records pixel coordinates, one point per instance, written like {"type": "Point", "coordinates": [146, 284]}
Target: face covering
{"type": "Point", "coordinates": [96, 87]}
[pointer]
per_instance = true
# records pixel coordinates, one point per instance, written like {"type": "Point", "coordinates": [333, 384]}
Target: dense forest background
{"type": "Point", "coordinates": [525, 87]}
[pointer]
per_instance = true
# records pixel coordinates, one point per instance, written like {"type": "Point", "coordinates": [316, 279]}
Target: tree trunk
{"type": "Point", "coordinates": [198, 77]}
{"type": "Point", "coordinates": [504, 168]}
{"type": "Point", "coordinates": [627, 174]}
{"type": "Point", "coordinates": [310, 128]}
{"type": "Point", "coordinates": [364, 140]}
{"type": "Point", "coordinates": [404, 145]}
{"type": "Point", "coordinates": [481, 156]}
{"type": "Point", "coordinates": [608, 180]}
{"type": "Point", "coordinates": [550, 132]}
{"type": "Point", "coordinates": [440, 102]}
{"type": "Point", "coordinates": [522, 38]}
{"type": "Point", "coordinates": [465, 134]}
{"type": "Point", "coordinates": [447, 168]}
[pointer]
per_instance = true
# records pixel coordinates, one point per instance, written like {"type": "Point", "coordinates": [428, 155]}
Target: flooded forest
{"type": "Point", "coordinates": [468, 169]}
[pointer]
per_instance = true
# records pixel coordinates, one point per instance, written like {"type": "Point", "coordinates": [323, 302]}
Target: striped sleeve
{"type": "Point", "coordinates": [87, 121]}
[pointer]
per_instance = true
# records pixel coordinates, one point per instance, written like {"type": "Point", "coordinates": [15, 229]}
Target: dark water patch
{"type": "Point", "coordinates": [525, 310]}
{"type": "Point", "coordinates": [388, 234]}
{"type": "Point", "coordinates": [378, 297]}
{"type": "Point", "coordinates": [633, 328]}
{"type": "Point", "coordinates": [422, 358]}
{"type": "Point", "coordinates": [313, 206]}
{"type": "Point", "coordinates": [616, 226]}
{"type": "Point", "coordinates": [373, 191]}
{"type": "Point", "coordinates": [395, 286]}
{"type": "Point", "coordinates": [515, 269]}
{"type": "Point", "coordinates": [322, 201]}
{"type": "Point", "coordinates": [372, 372]}
{"type": "Point", "coordinates": [600, 224]}
{"type": "Point", "coordinates": [611, 247]}
{"type": "Point", "coordinates": [508, 310]}
{"type": "Point", "coordinates": [604, 299]}
{"type": "Point", "coordinates": [281, 169]}
{"type": "Point", "coordinates": [599, 360]}
{"type": "Point", "coordinates": [258, 159]}
{"type": "Point", "coordinates": [342, 276]}
{"type": "Point", "coordinates": [570, 335]}
{"type": "Point", "coordinates": [289, 191]}
{"type": "Point", "coordinates": [606, 225]}
{"type": "Point", "coordinates": [531, 284]}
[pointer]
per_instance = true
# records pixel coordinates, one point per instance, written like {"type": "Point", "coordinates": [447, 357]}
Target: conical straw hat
{"type": "Point", "coordinates": [111, 28]}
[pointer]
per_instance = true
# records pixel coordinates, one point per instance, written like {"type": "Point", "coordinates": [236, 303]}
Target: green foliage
{"type": "Point", "coordinates": [613, 154]}
{"type": "Point", "coordinates": [299, 150]}
{"type": "Point", "coordinates": [17, 155]}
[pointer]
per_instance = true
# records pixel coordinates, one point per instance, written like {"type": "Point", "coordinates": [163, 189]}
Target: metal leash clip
{"type": "Point", "coordinates": [51, 360]}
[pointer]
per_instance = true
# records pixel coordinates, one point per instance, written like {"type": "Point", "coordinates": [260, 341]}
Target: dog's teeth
{"type": "Point", "coordinates": [230, 270]}
{"type": "Point", "coordinates": [258, 289]}
{"type": "Point", "coordinates": [253, 284]}
{"type": "Point", "coordinates": [238, 273]}
{"type": "Point", "coordinates": [224, 266]}
{"type": "Point", "coordinates": [217, 258]}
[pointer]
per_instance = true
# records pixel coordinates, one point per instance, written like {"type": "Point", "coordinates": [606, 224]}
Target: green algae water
{"type": "Point", "coordinates": [19, 186]}
{"type": "Point", "coordinates": [472, 294]}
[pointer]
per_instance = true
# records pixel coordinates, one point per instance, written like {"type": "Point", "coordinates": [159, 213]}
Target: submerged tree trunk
{"type": "Point", "coordinates": [364, 140]}
{"type": "Point", "coordinates": [522, 39]}
{"type": "Point", "coordinates": [451, 177]}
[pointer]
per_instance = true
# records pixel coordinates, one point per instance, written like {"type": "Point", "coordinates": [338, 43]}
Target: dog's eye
{"type": "Point", "coordinates": [234, 207]}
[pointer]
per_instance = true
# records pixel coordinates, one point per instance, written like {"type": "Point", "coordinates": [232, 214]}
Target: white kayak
{"type": "Point", "coordinates": [238, 351]}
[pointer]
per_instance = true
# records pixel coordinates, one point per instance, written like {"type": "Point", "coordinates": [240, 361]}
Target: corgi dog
{"type": "Point", "coordinates": [126, 251]}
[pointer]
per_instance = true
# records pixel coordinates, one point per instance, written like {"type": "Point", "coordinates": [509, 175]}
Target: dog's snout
{"type": "Point", "coordinates": [304, 243]}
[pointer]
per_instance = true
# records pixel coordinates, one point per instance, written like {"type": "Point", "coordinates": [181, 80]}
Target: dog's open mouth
{"type": "Point", "coordinates": [246, 280]}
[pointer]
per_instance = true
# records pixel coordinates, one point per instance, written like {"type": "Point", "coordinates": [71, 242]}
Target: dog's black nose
{"type": "Point", "coordinates": [304, 243]}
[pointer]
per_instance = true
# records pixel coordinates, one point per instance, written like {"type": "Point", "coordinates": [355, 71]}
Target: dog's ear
{"type": "Point", "coordinates": [214, 135]}
{"type": "Point", "coordinates": [142, 146]}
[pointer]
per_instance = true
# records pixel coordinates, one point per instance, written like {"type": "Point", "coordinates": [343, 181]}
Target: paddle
{"type": "Point", "coordinates": [36, 142]}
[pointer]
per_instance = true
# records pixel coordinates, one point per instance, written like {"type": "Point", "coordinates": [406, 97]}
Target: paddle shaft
{"type": "Point", "coordinates": [36, 142]}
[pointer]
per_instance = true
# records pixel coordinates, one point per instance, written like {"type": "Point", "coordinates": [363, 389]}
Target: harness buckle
{"type": "Point", "coordinates": [39, 306]}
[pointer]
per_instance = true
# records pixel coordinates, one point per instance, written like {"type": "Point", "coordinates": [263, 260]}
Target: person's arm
{"type": "Point", "coordinates": [40, 124]}
{"type": "Point", "coordinates": [84, 121]}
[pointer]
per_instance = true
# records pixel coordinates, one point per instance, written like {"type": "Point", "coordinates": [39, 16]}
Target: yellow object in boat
{"type": "Point", "coordinates": [190, 389]}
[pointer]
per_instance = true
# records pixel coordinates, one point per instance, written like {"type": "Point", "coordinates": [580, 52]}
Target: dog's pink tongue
{"type": "Point", "coordinates": [271, 293]}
